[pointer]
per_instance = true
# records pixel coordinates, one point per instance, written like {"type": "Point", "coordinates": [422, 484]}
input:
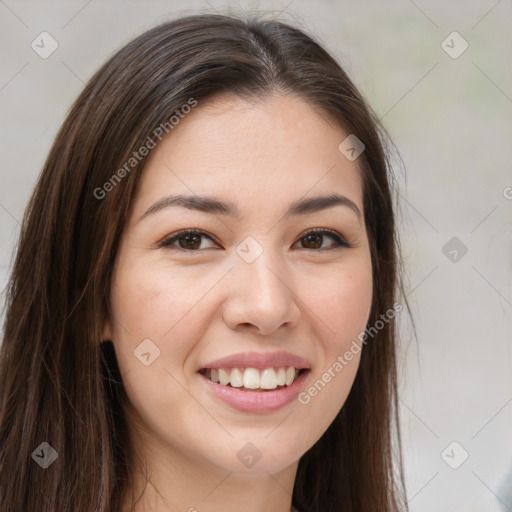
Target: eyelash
{"type": "Point", "coordinates": [166, 243]}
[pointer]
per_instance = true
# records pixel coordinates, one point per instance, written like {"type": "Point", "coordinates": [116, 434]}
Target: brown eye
{"type": "Point", "coordinates": [314, 239]}
{"type": "Point", "coordinates": [188, 240]}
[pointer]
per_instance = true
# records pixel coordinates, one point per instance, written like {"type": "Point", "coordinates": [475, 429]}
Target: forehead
{"type": "Point", "coordinates": [256, 154]}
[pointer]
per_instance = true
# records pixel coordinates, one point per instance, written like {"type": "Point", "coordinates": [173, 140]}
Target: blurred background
{"type": "Point", "coordinates": [439, 76]}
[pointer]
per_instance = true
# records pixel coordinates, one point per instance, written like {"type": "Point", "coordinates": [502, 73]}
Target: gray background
{"type": "Point", "coordinates": [450, 119]}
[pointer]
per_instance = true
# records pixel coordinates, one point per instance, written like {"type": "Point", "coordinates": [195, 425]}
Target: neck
{"type": "Point", "coordinates": [166, 478]}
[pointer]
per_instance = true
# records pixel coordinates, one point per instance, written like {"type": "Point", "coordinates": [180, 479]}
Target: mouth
{"type": "Point", "coordinates": [254, 379]}
{"type": "Point", "coordinates": [254, 382]}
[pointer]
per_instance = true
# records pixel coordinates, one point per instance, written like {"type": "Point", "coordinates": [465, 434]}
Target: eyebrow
{"type": "Point", "coordinates": [213, 205]}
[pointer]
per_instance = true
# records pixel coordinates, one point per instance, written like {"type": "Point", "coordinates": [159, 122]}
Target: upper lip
{"type": "Point", "coordinates": [259, 360]}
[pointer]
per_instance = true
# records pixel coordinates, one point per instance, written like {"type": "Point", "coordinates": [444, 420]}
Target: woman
{"type": "Point", "coordinates": [201, 311]}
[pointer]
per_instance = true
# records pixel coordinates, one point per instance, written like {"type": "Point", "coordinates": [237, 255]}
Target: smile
{"type": "Point", "coordinates": [253, 378]}
{"type": "Point", "coordinates": [255, 382]}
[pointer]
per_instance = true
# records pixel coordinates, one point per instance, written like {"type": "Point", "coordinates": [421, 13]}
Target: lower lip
{"type": "Point", "coordinates": [257, 401]}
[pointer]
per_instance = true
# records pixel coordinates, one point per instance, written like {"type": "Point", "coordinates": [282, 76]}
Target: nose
{"type": "Point", "coordinates": [261, 296]}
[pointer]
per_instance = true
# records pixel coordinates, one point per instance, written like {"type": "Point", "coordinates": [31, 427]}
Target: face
{"type": "Point", "coordinates": [233, 340]}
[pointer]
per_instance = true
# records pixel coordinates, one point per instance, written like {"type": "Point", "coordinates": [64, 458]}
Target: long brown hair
{"type": "Point", "coordinates": [60, 384]}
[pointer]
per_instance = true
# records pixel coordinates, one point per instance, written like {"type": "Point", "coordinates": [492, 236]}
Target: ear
{"type": "Point", "coordinates": [107, 331]}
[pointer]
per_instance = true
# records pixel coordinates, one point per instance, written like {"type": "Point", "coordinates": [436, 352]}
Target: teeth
{"type": "Point", "coordinates": [237, 379]}
{"type": "Point", "coordinates": [290, 375]}
{"type": "Point", "coordinates": [268, 379]}
{"type": "Point", "coordinates": [251, 378]}
{"type": "Point", "coordinates": [223, 377]}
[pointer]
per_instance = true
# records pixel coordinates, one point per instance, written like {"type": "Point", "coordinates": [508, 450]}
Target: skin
{"type": "Point", "coordinates": [198, 307]}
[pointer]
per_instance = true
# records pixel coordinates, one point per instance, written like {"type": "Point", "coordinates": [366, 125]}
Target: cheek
{"type": "Point", "coordinates": [158, 303]}
{"type": "Point", "coordinates": [157, 309]}
{"type": "Point", "coordinates": [342, 303]}
{"type": "Point", "coordinates": [342, 306]}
